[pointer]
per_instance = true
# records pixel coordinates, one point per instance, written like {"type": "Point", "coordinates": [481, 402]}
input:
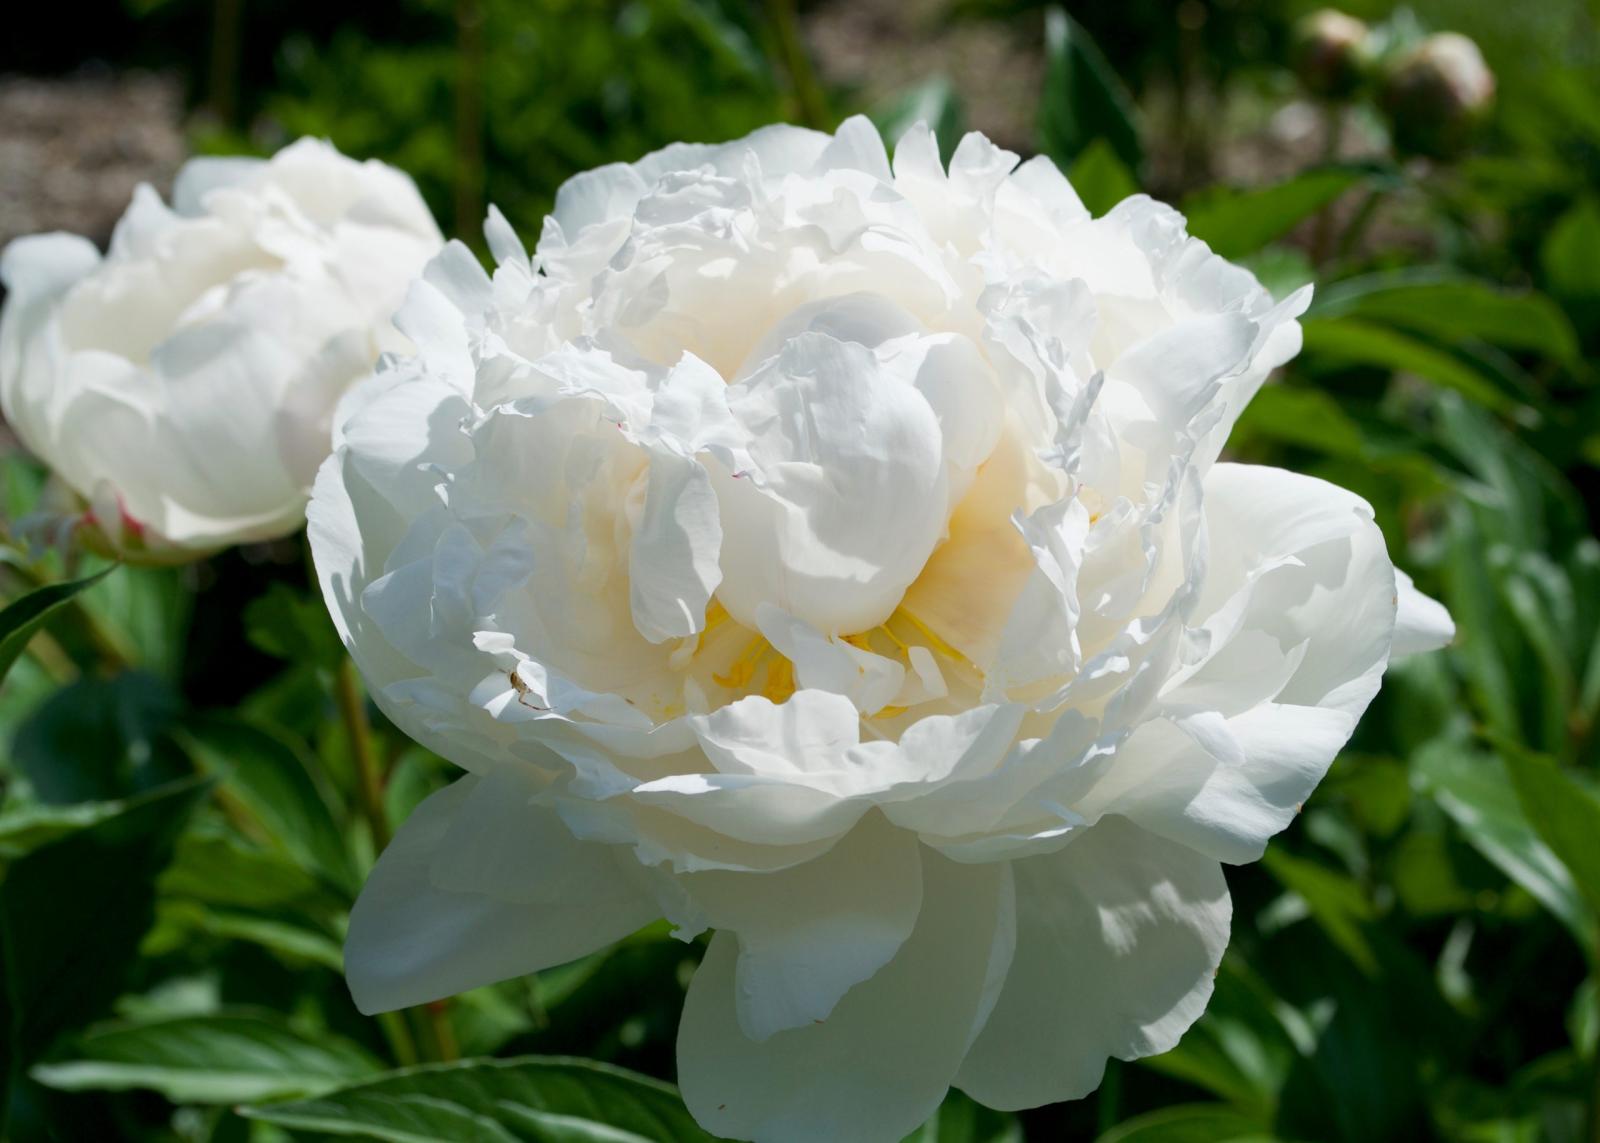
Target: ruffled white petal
{"type": "Point", "coordinates": [430, 921]}
{"type": "Point", "coordinates": [1118, 938]}
{"type": "Point", "coordinates": [881, 1062]}
{"type": "Point", "coordinates": [808, 933]}
{"type": "Point", "coordinates": [1420, 624]}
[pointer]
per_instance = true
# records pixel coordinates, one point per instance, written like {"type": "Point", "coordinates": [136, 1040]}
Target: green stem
{"type": "Point", "coordinates": [442, 1030]}
{"type": "Point", "coordinates": [1322, 230]}
{"type": "Point", "coordinates": [369, 775]}
{"type": "Point", "coordinates": [469, 116]}
{"type": "Point", "coordinates": [1594, 1097]}
{"type": "Point", "coordinates": [400, 1039]}
{"type": "Point", "coordinates": [1358, 224]}
{"type": "Point", "coordinates": [810, 102]}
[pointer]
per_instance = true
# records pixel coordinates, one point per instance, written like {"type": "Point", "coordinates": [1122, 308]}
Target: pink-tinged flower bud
{"type": "Point", "coordinates": [1332, 53]}
{"type": "Point", "coordinates": [1437, 95]}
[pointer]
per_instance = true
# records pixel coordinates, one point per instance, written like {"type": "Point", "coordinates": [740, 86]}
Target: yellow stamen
{"type": "Point", "coordinates": [780, 681]}
{"type": "Point", "coordinates": [743, 668]}
{"type": "Point", "coordinates": [938, 645]}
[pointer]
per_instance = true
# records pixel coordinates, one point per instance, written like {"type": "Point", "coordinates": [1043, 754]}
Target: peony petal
{"type": "Point", "coordinates": [412, 941]}
{"type": "Point", "coordinates": [1118, 938]}
{"type": "Point", "coordinates": [808, 933]}
{"type": "Point", "coordinates": [1227, 809]}
{"type": "Point", "coordinates": [880, 1064]}
{"type": "Point", "coordinates": [672, 562]}
{"type": "Point", "coordinates": [1420, 624]}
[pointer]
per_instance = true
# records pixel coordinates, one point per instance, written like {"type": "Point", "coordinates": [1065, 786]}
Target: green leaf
{"type": "Point", "coordinates": [1445, 305]}
{"type": "Point", "coordinates": [1336, 903]}
{"type": "Point", "coordinates": [1281, 269]}
{"type": "Point", "coordinates": [72, 914]}
{"type": "Point", "coordinates": [293, 944]}
{"type": "Point", "coordinates": [1566, 814]}
{"type": "Point", "coordinates": [933, 102]}
{"type": "Point", "coordinates": [1353, 342]}
{"type": "Point", "coordinates": [288, 625]}
{"type": "Point", "coordinates": [960, 1119]}
{"type": "Point", "coordinates": [1239, 222]}
{"type": "Point", "coordinates": [1240, 1049]}
{"type": "Point", "coordinates": [1301, 416]}
{"type": "Point", "coordinates": [21, 618]}
{"type": "Point", "coordinates": [1083, 98]}
{"type": "Point", "coordinates": [1101, 179]}
{"type": "Point", "coordinates": [1571, 252]}
{"type": "Point", "coordinates": [100, 739]}
{"type": "Point", "coordinates": [215, 867]}
{"type": "Point", "coordinates": [535, 1098]}
{"type": "Point", "coordinates": [1189, 1123]}
{"type": "Point", "coordinates": [275, 782]}
{"type": "Point", "coordinates": [25, 828]}
{"type": "Point", "coordinates": [1476, 790]}
{"type": "Point", "coordinates": [224, 1058]}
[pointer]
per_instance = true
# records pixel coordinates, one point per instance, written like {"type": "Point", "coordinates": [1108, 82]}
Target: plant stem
{"type": "Point", "coordinates": [400, 1038]}
{"type": "Point", "coordinates": [469, 116]}
{"type": "Point", "coordinates": [442, 1029]}
{"type": "Point", "coordinates": [1322, 231]}
{"type": "Point", "coordinates": [369, 775]}
{"type": "Point", "coordinates": [810, 103]}
{"type": "Point", "coordinates": [1593, 1134]}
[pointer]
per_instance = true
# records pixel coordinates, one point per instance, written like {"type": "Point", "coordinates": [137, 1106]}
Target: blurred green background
{"type": "Point", "coordinates": [183, 825]}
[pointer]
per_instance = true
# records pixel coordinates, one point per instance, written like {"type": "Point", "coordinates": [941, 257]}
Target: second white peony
{"type": "Point", "coordinates": [834, 555]}
{"type": "Point", "coordinates": [184, 385]}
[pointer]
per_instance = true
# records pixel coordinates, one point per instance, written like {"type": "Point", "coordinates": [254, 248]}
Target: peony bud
{"type": "Point", "coordinates": [1331, 52]}
{"type": "Point", "coordinates": [1437, 95]}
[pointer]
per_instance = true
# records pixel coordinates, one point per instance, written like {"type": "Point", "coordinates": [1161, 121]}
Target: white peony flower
{"type": "Point", "coordinates": [835, 556]}
{"type": "Point", "coordinates": [185, 383]}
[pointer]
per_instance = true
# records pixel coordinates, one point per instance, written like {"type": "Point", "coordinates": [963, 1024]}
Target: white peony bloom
{"type": "Point", "coordinates": [185, 383]}
{"type": "Point", "coordinates": [834, 555]}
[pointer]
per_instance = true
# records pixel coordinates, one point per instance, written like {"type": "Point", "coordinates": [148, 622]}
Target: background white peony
{"type": "Point", "coordinates": [185, 383]}
{"type": "Point", "coordinates": [836, 557]}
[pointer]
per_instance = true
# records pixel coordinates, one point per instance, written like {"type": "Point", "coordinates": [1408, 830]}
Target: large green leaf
{"type": "Point", "coordinates": [1301, 416]}
{"type": "Point", "coordinates": [933, 102]}
{"type": "Point", "coordinates": [1083, 98]}
{"type": "Point", "coordinates": [224, 1058]}
{"type": "Point", "coordinates": [295, 944]}
{"type": "Point", "coordinates": [541, 1099]}
{"type": "Point", "coordinates": [1240, 1050]}
{"type": "Point", "coordinates": [72, 914]}
{"type": "Point", "coordinates": [1190, 1123]}
{"type": "Point", "coordinates": [264, 771]}
{"type": "Point", "coordinates": [1101, 179]}
{"type": "Point", "coordinates": [1240, 222]}
{"type": "Point", "coordinates": [1476, 790]}
{"type": "Point", "coordinates": [1564, 811]}
{"type": "Point", "coordinates": [24, 828]}
{"type": "Point", "coordinates": [1454, 309]}
{"type": "Point", "coordinates": [214, 866]}
{"type": "Point", "coordinates": [101, 739]}
{"type": "Point", "coordinates": [1355, 342]}
{"type": "Point", "coordinates": [1335, 901]}
{"type": "Point", "coordinates": [22, 617]}
{"type": "Point", "coordinates": [962, 1120]}
{"type": "Point", "coordinates": [1571, 253]}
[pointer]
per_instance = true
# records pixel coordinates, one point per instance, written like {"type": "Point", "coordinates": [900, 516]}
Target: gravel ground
{"type": "Point", "coordinates": [73, 149]}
